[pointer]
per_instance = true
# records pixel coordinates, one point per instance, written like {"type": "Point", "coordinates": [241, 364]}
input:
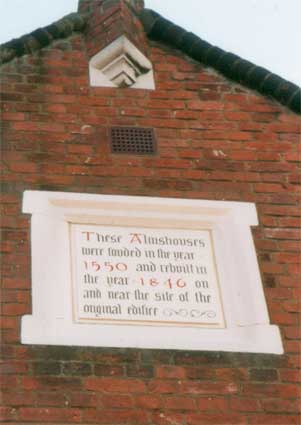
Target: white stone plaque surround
{"type": "Point", "coordinates": [117, 271]}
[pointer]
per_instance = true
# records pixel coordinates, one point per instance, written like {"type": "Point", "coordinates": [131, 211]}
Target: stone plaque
{"type": "Point", "coordinates": [143, 272]}
{"type": "Point", "coordinates": [145, 276]}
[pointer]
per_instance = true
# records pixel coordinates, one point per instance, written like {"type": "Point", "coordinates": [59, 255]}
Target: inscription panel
{"type": "Point", "coordinates": [144, 276]}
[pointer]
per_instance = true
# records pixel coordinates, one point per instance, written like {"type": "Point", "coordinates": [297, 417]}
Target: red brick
{"type": "Point", "coordinates": [285, 127]}
{"type": "Point", "coordinates": [7, 414]}
{"type": "Point", "coordinates": [282, 406]}
{"type": "Point", "coordinates": [240, 135]}
{"type": "Point", "coordinates": [284, 318]}
{"type": "Point", "coordinates": [294, 361]}
{"type": "Point", "coordinates": [231, 374]}
{"type": "Point", "coordinates": [193, 387]}
{"type": "Point", "coordinates": [199, 373]}
{"type": "Point", "coordinates": [82, 399]}
{"type": "Point", "coordinates": [55, 108]}
{"type": "Point", "coordinates": [293, 156]}
{"type": "Point", "coordinates": [134, 112]}
{"type": "Point", "coordinates": [179, 403]}
{"type": "Point", "coordinates": [292, 306]}
{"type": "Point", "coordinates": [245, 404]}
{"type": "Point", "coordinates": [253, 106]}
{"type": "Point", "coordinates": [168, 418]}
{"type": "Point", "coordinates": [13, 367]}
{"type": "Point", "coordinates": [238, 116]}
{"type": "Point", "coordinates": [118, 401]}
{"type": "Point", "coordinates": [187, 115]}
{"type": "Point", "coordinates": [50, 399]}
{"type": "Point", "coordinates": [194, 174]}
{"type": "Point", "coordinates": [163, 386]}
{"type": "Point", "coordinates": [50, 414]}
{"type": "Point", "coordinates": [108, 370]}
{"type": "Point", "coordinates": [214, 419]}
{"type": "Point", "coordinates": [205, 106]}
{"type": "Point", "coordinates": [25, 126]}
{"type": "Point", "coordinates": [60, 98]}
{"type": "Point", "coordinates": [289, 281]}
{"type": "Point", "coordinates": [13, 116]}
{"type": "Point", "coordinates": [290, 222]}
{"type": "Point", "coordinates": [282, 233]}
{"type": "Point", "coordinates": [51, 383]}
{"type": "Point", "coordinates": [164, 104]}
{"type": "Point", "coordinates": [8, 322]}
{"type": "Point", "coordinates": [165, 67]}
{"type": "Point", "coordinates": [14, 309]}
{"type": "Point", "coordinates": [13, 398]}
{"type": "Point", "coordinates": [274, 268]}
{"type": "Point", "coordinates": [265, 419]}
{"type": "Point", "coordinates": [213, 404]}
{"type": "Point", "coordinates": [159, 113]}
{"type": "Point", "coordinates": [290, 375]}
{"type": "Point", "coordinates": [114, 385]}
{"type": "Point", "coordinates": [282, 210]}
{"type": "Point", "coordinates": [287, 258]}
{"type": "Point", "coordinates": [278, 293]}
{"type": "Point", "coordinates": [126, 417]}
{"type": "Point", "coordinates": [271, 390]}
{"type": "Point", "coordinates": [292, 332]}
{"type": "Point", "coordinates": [168, 163]}
{"type": "Point", "coordinates": [266, 187]}
{"type": "Point", "coordinates": [170, 372]}
{"type": "Point", "coordinates": [292, 346]}
{"type": "Point", "coordinates": [294, 269]}
{"type": "Point", "coordinates": [80, 149]}
{"type": "Point", "coordinates": [23, 167]}
{"type": "Point", "coordinates": [148, 402]}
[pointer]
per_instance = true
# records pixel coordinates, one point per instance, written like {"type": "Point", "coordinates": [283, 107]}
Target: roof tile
{"type": "Point", "coordinates": [160, 28]}
{"type": "Point", "coordinates": [295, 101]}
{"type": "Point", "coordinates": [199, 49]}
{"type": "Point", "coordinates": [41, 37]}
{"type": "Point", "coordinates": [228, 64]}
{"type": "Point", "coordinates": [271, 84]}
{"type": "Point", "coordinates": [240, 70]}
{"type": "Point", "coordinates": [285, 90]}
{"type": "Point", "coordinates": [174, 35]}
{"type": "Point", "coordinates": [188, 40]}
{"type": "Point", "coordinates": [213, 56]}
{"type": "Point", "coordinates": [256, 76]}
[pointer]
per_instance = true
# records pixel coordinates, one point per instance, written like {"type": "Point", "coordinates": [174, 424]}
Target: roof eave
{"type": "Point", "coordinates": [228, 64]}
{"type": "Point", "coordinates": [42, 37]}
{"type": "Point", "coordinates": [156, 27]}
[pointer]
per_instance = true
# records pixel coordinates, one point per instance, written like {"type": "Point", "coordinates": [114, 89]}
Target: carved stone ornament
{"type": "Point", "coordinates": [121, 64]}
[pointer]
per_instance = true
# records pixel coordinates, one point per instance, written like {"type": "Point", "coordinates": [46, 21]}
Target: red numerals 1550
{"type": "Point", "coordinates": [108, 267]}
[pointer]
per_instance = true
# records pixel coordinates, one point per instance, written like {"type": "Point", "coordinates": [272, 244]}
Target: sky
{"type": "Point", "coordinates": [266, 32]}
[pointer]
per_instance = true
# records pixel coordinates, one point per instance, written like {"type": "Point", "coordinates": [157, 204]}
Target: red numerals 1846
{"type": "Point", "coordinates": [170, 283]}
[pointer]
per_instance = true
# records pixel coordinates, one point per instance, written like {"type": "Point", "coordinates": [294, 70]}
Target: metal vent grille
{"type": "Point", "coordinates": [133, 140]}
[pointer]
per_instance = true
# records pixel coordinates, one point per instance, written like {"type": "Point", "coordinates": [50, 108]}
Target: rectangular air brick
{"type": "Point", "coordinates": [133, 140]}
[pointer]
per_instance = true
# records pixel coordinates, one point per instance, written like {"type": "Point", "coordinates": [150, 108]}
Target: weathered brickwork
{"type": "Point", "coordinates": [216, 141]}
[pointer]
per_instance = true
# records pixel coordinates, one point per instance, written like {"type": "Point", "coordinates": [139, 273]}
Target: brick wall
{"type": "Point", "coordinates": [216, 140]}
